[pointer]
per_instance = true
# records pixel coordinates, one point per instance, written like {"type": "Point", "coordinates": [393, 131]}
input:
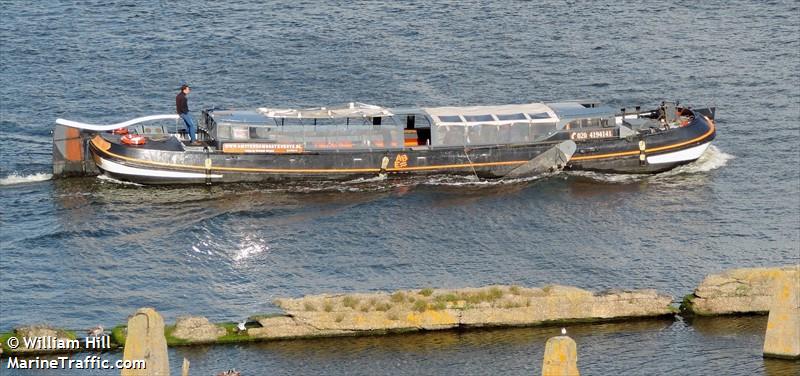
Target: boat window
{"type": "Point", "coordinates": [541, 130]}
{"type": "Point", "coordinates": [261, 133]}
{"type": "Point", "coordinates": [451, 135]}
{"type": "Point", "coordinates": [512, 117]}
{"type": "Point", "coordinates": [540, 115]}
{"type": "Point", "coordinates": [505, 134]}
{"type": "Point", "coordinates": [482, 134]}
{"type": "Point", "coordinates": [340, 136]}
{"type": "Point", "coordinates": [514, 133]}
{"type": "Point", "coordinates": [477, 118]}
{"type": "Point", "coordinates": [449, 118]}
{"type": "Point", "coordinates": [240, 133]}
{"type": "Point", "coordinates": [420, 121]}
{"type": "Point", "coordinates": [587, 123]}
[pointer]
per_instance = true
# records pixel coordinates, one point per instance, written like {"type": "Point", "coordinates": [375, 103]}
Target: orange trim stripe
{"type": "Point", "coordinates": [711, 129]}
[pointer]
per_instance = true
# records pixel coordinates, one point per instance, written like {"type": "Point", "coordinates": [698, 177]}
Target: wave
{"type": "Point", "coordinates": [469, 180]}
{"type": "Point", "coordinates": [712, 159]}
{"type": "Point", "coordinates": [107, 179]}
{"type": "Point", "coordinates": [15, 178]}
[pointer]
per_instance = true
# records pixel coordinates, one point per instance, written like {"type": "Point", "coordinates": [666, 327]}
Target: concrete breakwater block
{"type": "Point", "coordinates": [783, 327]}
{"type": "Point", "coordinates": [736, 291]}
{"type": "Point", "coordinates": [560, 357]}
{"type": "Point", "coordinates": [145, 340]}
{"type": "Point", "coordinates": [429, 309]}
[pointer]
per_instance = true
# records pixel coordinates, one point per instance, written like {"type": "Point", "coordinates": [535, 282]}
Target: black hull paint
{"type": "Point", "coordinates": [486, 163]}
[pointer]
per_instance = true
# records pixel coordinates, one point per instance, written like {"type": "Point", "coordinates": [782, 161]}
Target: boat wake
{"type": "Point", "coordinates": [472, 181]}
{"type": "Point", "coordinates": [15, 178]}
{"type": "Point", "coordinates": [107, 179]}
{"type": "Point", "coordinates": [385, 184]}
{"type": "Point", "coordinates": [367, 180]}
{"type": "Point", "coordinates": [712, 159]}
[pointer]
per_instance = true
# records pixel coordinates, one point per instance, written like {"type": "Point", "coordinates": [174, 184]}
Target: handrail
{"type": "Point", "coordinates": [109, 127]}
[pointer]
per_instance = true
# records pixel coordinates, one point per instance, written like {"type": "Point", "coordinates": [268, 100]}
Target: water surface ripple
{"type": "Point", "coordinates": [86, 251]}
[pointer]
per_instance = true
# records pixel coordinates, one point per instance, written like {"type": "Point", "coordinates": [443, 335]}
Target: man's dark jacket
{"type": "Point", "coordinates": [181, 104]}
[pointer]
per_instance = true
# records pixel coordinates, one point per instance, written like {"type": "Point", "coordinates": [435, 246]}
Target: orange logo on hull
{"type": "Point", "coordinates": [401, 161]}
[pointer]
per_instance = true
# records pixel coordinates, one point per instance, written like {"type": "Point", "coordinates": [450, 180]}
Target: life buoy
{"type": "Point", "coordinates": [133, 139]}
{"type": "Point", "coordinates": [120, 131]}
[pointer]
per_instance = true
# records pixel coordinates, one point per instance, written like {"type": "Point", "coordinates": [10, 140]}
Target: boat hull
{"type": "Point", "coordinates": [152, 166]}
{"type": "Point", "coordinates": [167, 161]}
{"type": "Point", "coordinates": [646, 153]}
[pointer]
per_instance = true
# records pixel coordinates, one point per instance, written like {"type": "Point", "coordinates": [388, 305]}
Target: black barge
{"type": "Point", "coordinates": [357, 140]}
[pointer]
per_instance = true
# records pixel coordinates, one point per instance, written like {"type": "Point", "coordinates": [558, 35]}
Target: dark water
{"type": "Point", "coordinates": [80, 252]}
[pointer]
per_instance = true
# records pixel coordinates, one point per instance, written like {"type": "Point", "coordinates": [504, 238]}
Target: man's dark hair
{"type": "Point", "coordinates": [184, 86]}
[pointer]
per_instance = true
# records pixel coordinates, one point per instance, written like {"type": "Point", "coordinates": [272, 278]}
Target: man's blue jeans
{"type": "Point", "coordinates": [190, 125]}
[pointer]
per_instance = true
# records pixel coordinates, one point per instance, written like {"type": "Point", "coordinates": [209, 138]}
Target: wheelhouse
{"type": "Point", "coordinates": [583, 114]}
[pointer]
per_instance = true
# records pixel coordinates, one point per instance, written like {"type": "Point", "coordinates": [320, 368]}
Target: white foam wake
{"type": "Point", "coordinates": [107, 179]}
{"type": "Point", "coordinates": [469, 180]}
{"type": "Point", "coordinates": [15, 178]}
{"type": "Point", "coordinates": [712, 159]}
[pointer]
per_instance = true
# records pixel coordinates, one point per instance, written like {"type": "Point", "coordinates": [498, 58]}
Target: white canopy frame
{"type": "Point", "coordinates": [436, 113]}
{"type": "Point", "coordinates": [350, 110]}
{"type": "Point", "coordinates": [111, 127]}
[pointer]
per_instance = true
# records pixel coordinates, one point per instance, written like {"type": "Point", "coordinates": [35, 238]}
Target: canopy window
{"type": "Point", "coordinates": [490, 125]}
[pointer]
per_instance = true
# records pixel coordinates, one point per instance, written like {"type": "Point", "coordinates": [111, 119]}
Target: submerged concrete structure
{"type": "Point", "coordinates": [782, 339]}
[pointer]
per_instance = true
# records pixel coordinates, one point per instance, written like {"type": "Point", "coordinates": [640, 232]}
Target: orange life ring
{"type": "Point", "coordinates": [133, 139]}
{"type": "Point", "coordinates": [120, 131]}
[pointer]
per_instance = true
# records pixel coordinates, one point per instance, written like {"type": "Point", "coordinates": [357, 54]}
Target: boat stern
{"type": "Point", "coordinates": [71, 155]}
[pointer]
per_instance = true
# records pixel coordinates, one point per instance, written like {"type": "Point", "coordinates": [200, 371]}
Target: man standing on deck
{"type": "Point", "coordinates": [182, 107]}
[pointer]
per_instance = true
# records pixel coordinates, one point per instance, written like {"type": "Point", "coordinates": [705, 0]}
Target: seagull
{"type": "Point", "coordinates": [240, 326]}
{"type": "Point", "coordinates": [230, 372]}
{"type": "Point", "coordinates": [96, 331]}
{"type": "Point", "coordinates": [563, 331]}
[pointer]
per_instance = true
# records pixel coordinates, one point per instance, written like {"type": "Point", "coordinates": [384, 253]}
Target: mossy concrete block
{"type": "Point", "coordinates": [782, 339]}
{"type": "Point", "coordinates": [437, 309]}
{"type": "Point", "coordinates": [196, 329]}
{"type": "Point", "coordinates": [565, 304]}
{"type": "Point", "coordinates": [736, 291]}
{"type": "Point", "coordinates": [289, 327]}
{"type": "Point", "coordinates": [41, 339]}
{"type": "Point", "coordinates": [560, 357]}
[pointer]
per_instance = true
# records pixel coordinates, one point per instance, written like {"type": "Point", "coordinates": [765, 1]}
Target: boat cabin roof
{"type": "Point", "coordinates": [577, 109]}
{"type": "Point", "coordinates": [472, 115]}
{"type": "Point", "coordinates": [240, 116]}
{"type": "Point", "coordinates": [440, 116]}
